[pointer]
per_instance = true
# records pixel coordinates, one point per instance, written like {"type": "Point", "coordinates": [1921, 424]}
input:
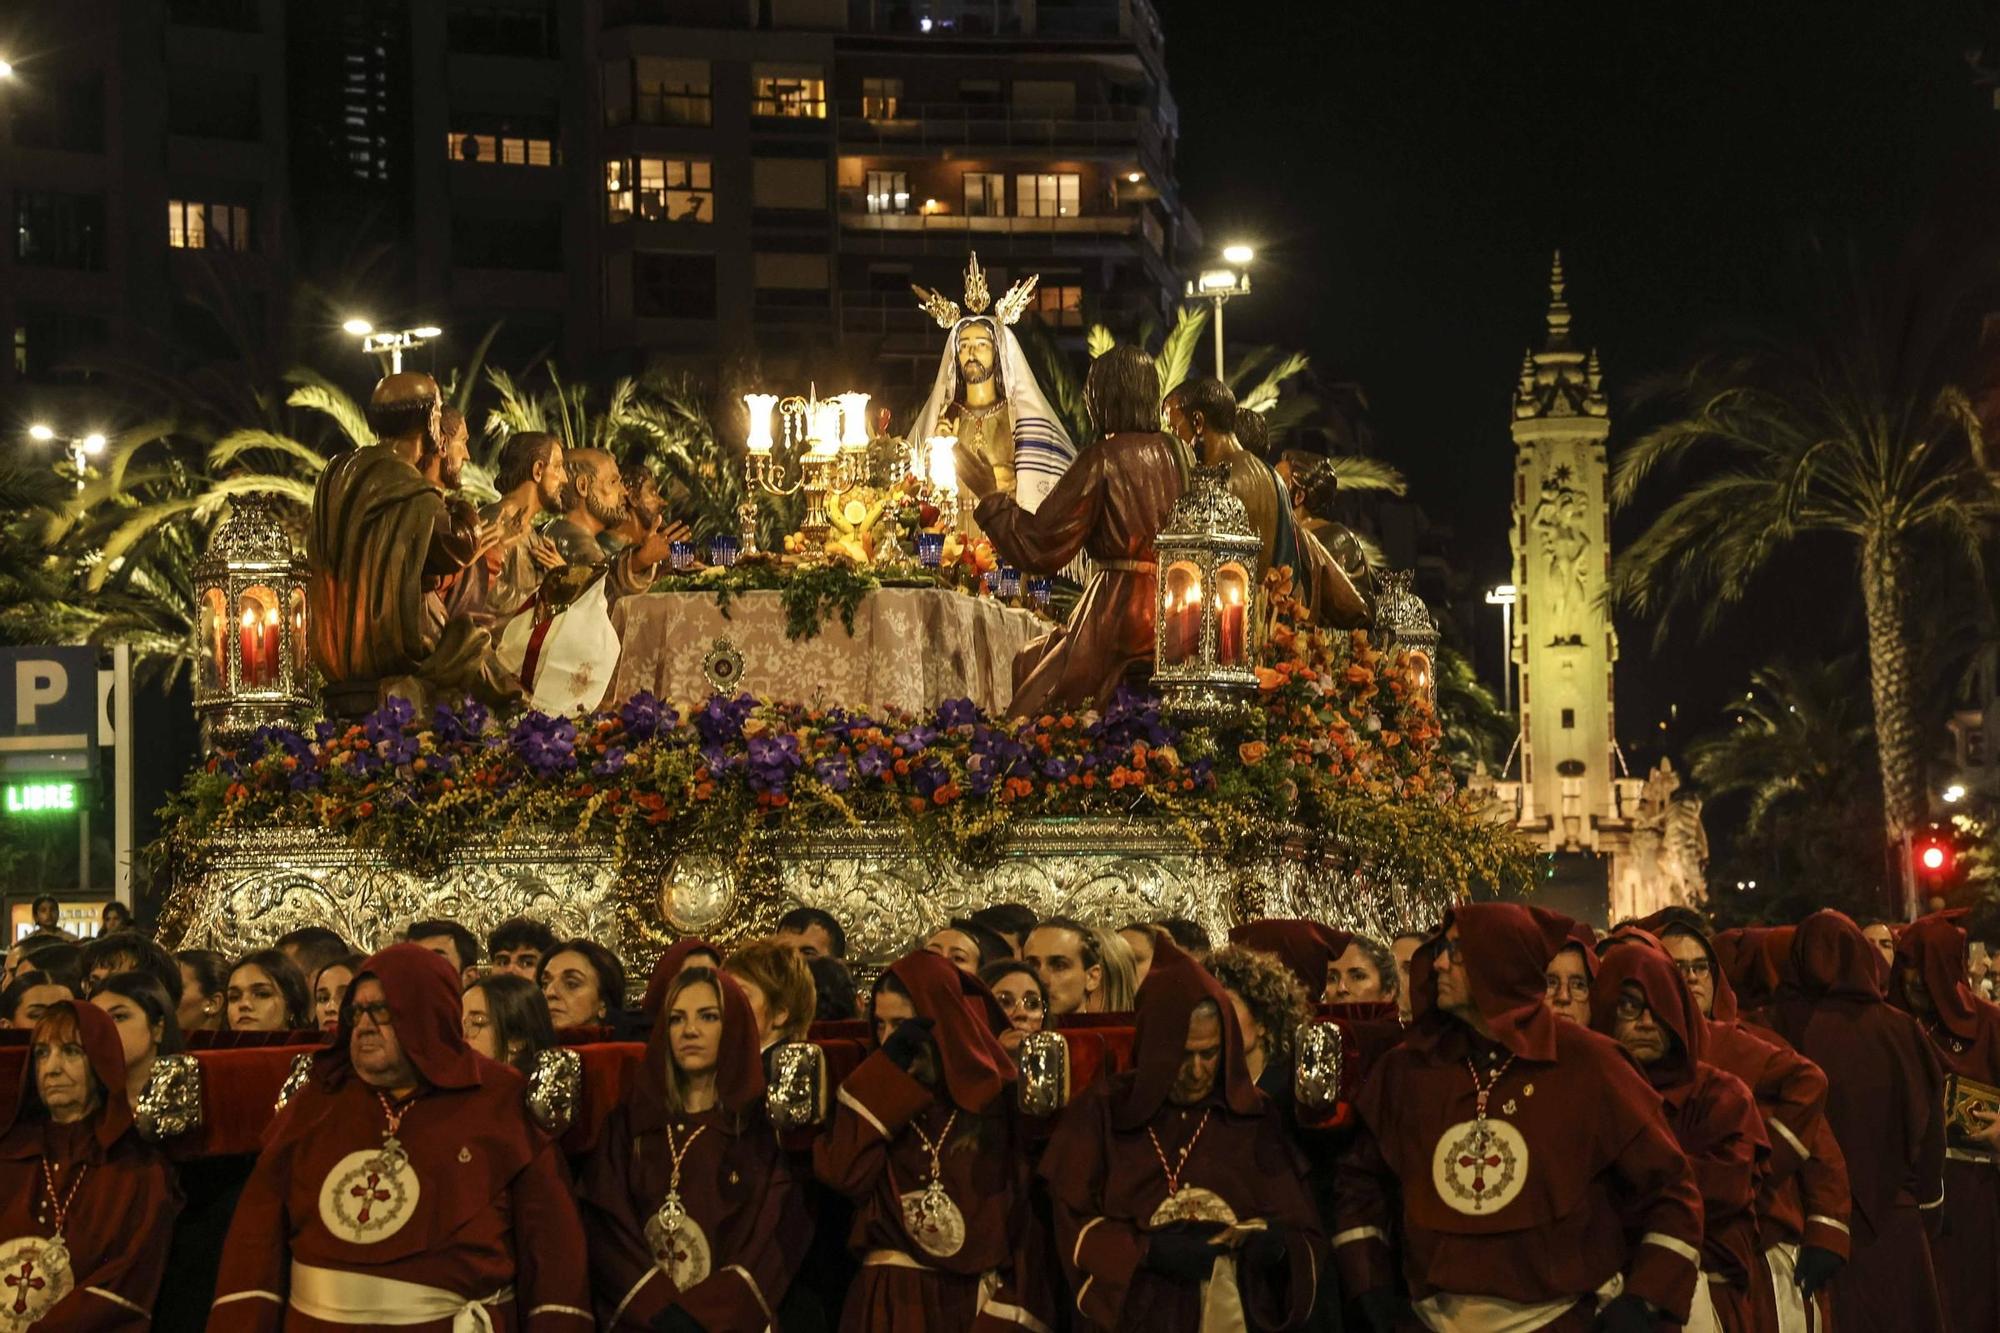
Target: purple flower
{"type": "Point", "coordinates": [916, 740]}
{"type": "Point", "coordinates": [455, 726]}
{"type": "Point", "coordinates": [644, 716]}
{"type": "Point", "coordinates": [928, 776]}
{"type": "Point", "coordinates": [324, 731]}
{"type": "Point", "coordinates": [547, 745]}
{"type": "Point", "coordinates": [956, 713]}
{"type": "Point", "coordinates": [388, 720]}
{"type": "Point", "coordinates": [1058, 769]}
{"type": "Point", "coordinates": [873, 762]}
{"type": "Point", "coordinates": [397, 751]}
{"type": "Point", "coordinates": [718, 760]}
{"type": "Point", "coordinates": [832, 772]}
{"type": "Point", "coordinates": [610, 764]}
{"type": "Point", "coordinates": [721, 720]}
{"type": "Point", "coordinates": [771, 761]}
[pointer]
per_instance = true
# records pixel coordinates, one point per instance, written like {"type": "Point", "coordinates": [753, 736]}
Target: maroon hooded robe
{"type": "Point", "coordinates": [1577, 1147]}
{"type": "Point", "coordinates": [1714, 1119]}
{"type": "Point", "coordinates": [1965, 1032]}
{"type": "Point", "coordinates": [1306, 948]}
{"type": "Point", "coordinates": [490, 1221]}
{"type": "Point", "coordinates": [874, 1153]}
{"type": "Point", "coordinates": [1106, 1173]}
{"type": "Point", "coordinates": [1803, 1198]}
{"type": "Point", "coordinates": [1885, 1104]}
{"type": "Point", "coordinates": [121, 1202]}
{"type": "Point", "coordinates": [734, 1182]}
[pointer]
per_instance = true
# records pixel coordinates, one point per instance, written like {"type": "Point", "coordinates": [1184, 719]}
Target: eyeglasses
{"type": "Point", "coordinates": [381, 1014]}
{"type": "Point", "coordinates": [1027, 1004]}
{"type": "Point", "coordinates": [1693, 968]}
{"type": "Point", "coordinates": [1630, 1010]}
{"type": "Point", "coordinates": [1573, 986]}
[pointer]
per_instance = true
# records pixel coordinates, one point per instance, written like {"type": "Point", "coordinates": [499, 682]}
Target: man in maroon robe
{"type": "Point", "coordinates": [405, 1184]}
{"type": "Point", "coordinates": [1180, 1202]}
{"type": "Point", "coordinates": [1639, 1000]}
{"type": "Point", "coordinates": [694, 1220]}
{"type": "Point", "coordinates": [1538, 1178]}
{"type": "Point", "coordinates": [1885, 1104]}
{"type": "Point", "coordinates": [1110, 503]}
{"type": "Point", "coordinates": [926, 1141]}
{"type": "Point", "coordinates": [86, 1206]}
{"type": "Point", "coordinates": [1928, 981]}
{"type": "Point", "coordinates": [1306, 948]}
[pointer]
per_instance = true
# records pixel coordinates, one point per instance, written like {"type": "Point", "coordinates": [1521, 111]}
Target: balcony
{"type": "Point", "coordinates": [991, 125]}
{"type": "Point", "coordinates": [855, 217]}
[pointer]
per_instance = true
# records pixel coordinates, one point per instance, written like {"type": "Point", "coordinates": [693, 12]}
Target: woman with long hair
{"type": "Point", "coordinates": [267, 993]}
{"type": "Point", "coordinates": [693, 1217]}
{"type": "Point", "coordinates": [928, 1145]}
{"type": "Point", "coordinates": [507, 1019]}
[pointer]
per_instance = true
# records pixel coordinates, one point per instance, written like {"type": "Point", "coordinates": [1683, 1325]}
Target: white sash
{"type": "Point", "coordinates": [1701, 1310]}
{"type": "Point", "coordinates": [1794, 1310]}
{"type": "Point", "coordinates": [989, 1287]}
{"type": "Point", "coordinates": [338, 1296]}
{"type": "Point", "coordinates": [1455, 1312]}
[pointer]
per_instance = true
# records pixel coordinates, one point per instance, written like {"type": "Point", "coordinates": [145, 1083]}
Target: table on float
{"type": "Point", "coordinates": [912, 649]}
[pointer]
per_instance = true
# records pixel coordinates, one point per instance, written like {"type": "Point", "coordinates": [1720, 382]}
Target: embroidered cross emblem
{"type": "Point", "coordinates": [1479, 1165]}
{"type": "Point", "coordinates": [25, 1282]}
{"type": "Point", "coordinates": [370, 1194]}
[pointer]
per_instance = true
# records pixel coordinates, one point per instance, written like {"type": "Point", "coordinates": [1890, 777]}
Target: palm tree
{"type": "Point", "coordinates": [1794, 755]}
{"type": "Point", "coordinates": [1857, 427]}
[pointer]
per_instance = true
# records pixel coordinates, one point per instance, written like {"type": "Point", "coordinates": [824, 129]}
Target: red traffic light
{"type": "Point", "coordinates": [1933, 857]}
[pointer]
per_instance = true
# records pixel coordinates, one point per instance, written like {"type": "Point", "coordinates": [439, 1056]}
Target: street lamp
{"type": "Point", "coordinates": [1219, 283]}
{"type": "Point", "coordinates": [78, 447]}
{"type": "Point", "coordinates": [389, 346]}
{"type": "Point", "coordinates": [1504, 597]}
{"type": "Point", "coordinates": [6, 69]}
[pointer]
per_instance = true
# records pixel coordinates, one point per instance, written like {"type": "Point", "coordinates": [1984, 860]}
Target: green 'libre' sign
{"type": "Point", "coordinates": [39, 798]}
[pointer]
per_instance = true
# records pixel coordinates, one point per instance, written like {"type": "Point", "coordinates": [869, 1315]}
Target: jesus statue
{"type": "Point", "coordinates": [985, 397]}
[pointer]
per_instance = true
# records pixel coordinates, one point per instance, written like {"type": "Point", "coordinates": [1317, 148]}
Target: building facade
{"type": "Point", "coordinates": [610, 182]}
{"type": "Point", "coordinates": [1627, 845]}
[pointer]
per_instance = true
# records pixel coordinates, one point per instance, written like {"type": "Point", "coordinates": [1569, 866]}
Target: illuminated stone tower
{"type": "Point", "coordinates": [1563, 641]}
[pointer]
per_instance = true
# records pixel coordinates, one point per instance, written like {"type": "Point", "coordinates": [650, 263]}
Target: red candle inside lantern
{"type": "Point", "coordinates": [250, 650]}
{"type": "Point", "coordinates": [271, 637]}
{"type": "Point", "coordinates": [1232, 629]}
{"type": "Point", "coordinates": [1184, 626]}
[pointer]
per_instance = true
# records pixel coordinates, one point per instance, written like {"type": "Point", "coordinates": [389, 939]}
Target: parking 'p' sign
{"type": "Point", "coordinates": [48, 707]}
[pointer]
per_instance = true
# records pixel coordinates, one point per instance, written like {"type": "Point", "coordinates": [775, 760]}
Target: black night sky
{"type": "Point", "coordinates": [1406, 168]}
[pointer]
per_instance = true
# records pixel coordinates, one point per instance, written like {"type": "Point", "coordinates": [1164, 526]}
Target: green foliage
{"type": "Point", "coordinates": [1476, 730]}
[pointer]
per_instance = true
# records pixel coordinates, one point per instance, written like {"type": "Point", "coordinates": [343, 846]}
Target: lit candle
{"type": "Point", "coordinates": [1231, 646]}
{"type": "Point", "coordinates": [247, 655]}
{"type": "Point", "coordinates": [853, 420]}
{"type": "Point", "coordinates": [271, 646]}
{"type": "Point", "coordinates": [943, 462]}
{"type": "Point", "coordinates": [1183, 625]}
{"type": "Point", "coordinates": [760, 406]}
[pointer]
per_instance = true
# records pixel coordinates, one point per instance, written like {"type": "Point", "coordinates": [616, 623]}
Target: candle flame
{"type": "Point", "coordinates": [249, 617]}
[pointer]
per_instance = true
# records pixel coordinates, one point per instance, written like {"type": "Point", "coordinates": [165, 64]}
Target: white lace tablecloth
{"type": "Point", "coordinates": [912, 648]}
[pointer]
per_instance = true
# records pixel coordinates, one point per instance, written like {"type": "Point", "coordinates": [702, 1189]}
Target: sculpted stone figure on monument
{"type": "Point", "coordinates": [389, 536]}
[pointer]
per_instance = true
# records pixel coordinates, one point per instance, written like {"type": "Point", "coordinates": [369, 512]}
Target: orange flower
{"type": "Point", "coordinates": [1268, 680]}
{"type": "Point", "coordinates": [1015, 788]}
{"type": "Point", "coordinates": [946, 794]}
{"type": "Point", "coordinates": [1252, 752]}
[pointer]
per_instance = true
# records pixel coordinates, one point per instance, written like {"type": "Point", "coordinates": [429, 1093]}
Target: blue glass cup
{"type": "Point", "coordinates": [930, 549]}
{"type": "Point", "coordinates": [992, 580]}
{"type": "Point", "coordinates": [1038, 590]}
{"type": "Point", "coordinates": [681, 554]}
{"type": "Point", "coordinates": [1010, 581]}
{"type": "Point", "coordinates": [725, 551]}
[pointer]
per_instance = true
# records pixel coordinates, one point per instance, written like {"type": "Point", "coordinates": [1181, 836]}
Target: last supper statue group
{"type": "Point", "coordinates": [393, 547]}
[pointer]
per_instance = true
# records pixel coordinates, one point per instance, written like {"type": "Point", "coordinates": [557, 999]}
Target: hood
{"type": "Point", "coordinates": [1042, 448]}
{"type": "Point", "coordinates": [963, 1017]}
{"type": "Point", "coordinates": [1933, 948]}
{"type": "Point", "coordinates": [106, 1054]}
{"type": "Point", "coordinates": [1756, 963]}
{"type": "Point", "coordinates": [1831, 957]}
{"type": "Point", "coordinates": [1681, 921]}
{"type": "Point", "coordinates": [422, 989]}
{"type": "Point", "coordinates": [1174, 988]}
{"type": "Point", "coordinates": [1506, 948]}
{"type": "Point", "coordinates": [667, 969]}
{"type": "Point", "coordinates": [739, 1061]}
{"type": "Point", "coordinates": [1306, 948]}
{"type": "Point", "coordinates": [1667, 996]}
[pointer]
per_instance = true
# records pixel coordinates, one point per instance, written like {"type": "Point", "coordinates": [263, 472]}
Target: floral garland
{"type": "Point", "coordinates": [1341, 747]}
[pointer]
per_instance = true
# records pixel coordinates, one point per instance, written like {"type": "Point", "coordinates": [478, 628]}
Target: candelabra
{"type": "Point", "coordinates": [829, 439]}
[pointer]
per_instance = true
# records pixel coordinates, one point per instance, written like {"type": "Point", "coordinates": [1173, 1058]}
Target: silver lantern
{"type": "Point", "coordinates": [1206, 608]}
{"type": "Point", "coordinates": [250, 598]}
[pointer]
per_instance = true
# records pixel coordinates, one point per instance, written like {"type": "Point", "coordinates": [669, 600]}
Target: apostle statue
{"type": "Point", "coordinates": [985, 396]}
{"type": "Point", "coordinates": [1110, 504]}
{"type": "Point", "coordinates": [1203, 415]}
{"type": "Point", "coordinates": [389, 536]}
{"type": "Point", "coordinates": [599, 506]}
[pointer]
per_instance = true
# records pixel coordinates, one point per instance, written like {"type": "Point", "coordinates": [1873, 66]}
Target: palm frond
{"type": "Point", "coordinates": [1360, 473]}
{"type": "Point", "coordinates": [1177, 350]}
{"type": "Point", "coordinates": [237, 443]}
{"type": "Point", "coordinates": [1098, 341]}
{"type": "Point", "coordinates": [315, 393]}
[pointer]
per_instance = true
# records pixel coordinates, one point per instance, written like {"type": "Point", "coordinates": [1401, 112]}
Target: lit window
{"type": "Point", "coordinates": [881, 99]}
{"type": "Point", "coordinates": [985, 194]}
{"type": "Point", "coordinates": [656, 189]}
{"type": "Point", "coordinates": [888, 192]}
{"type": "Point", "coordinates": [789, 91]}
{"type": "Point", "coordinates": [197, 226]}
{"type": "Point", "coordinates": [1060, 307]}
{"type": "Point", "coordinates": [1048, 195]}
{"type": "Point", "coordinates": [510, 150]}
